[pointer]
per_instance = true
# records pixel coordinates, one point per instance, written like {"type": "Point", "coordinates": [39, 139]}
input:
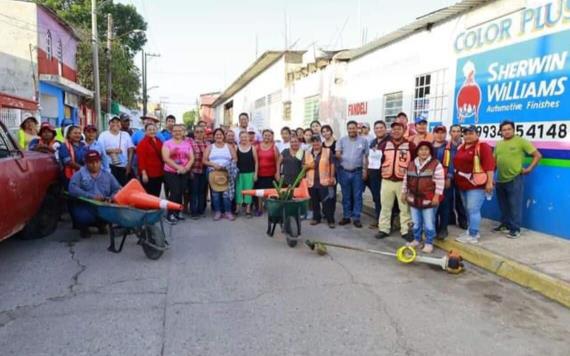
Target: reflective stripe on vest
{"type": "Point", "coordinates": [325, 168]}
{"type": "Point", "coordinates": [68, 171]}
{"type": "Point", "coordinates": [395, 164]}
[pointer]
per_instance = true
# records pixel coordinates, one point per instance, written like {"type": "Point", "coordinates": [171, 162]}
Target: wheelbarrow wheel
{"type": "Point", "coordinates": [292, 231]}
{"type": "Point", "coordinates": [152, 236]}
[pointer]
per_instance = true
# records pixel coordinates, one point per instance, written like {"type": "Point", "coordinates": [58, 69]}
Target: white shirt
{"type": "Point", "coordinates": [281, 146]}
{"type": "Point", "coordinates": [121, 140]}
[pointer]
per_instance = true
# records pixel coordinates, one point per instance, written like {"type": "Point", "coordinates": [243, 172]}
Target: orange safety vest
{"type": "Point", "coordinates": [68, 171]}
{"type": "Point", "coordinates": [396, 160]}
{"type": "Point", "coordinates": [446, 160]}
{"type": "Point", "coordinates": [325, 168]}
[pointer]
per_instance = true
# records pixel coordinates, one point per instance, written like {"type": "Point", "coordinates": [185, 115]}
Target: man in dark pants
{"type": "Point", "coordinates": [510, 153]}
{"type": "Point", "coordinates": [374, 181]}
{"type": "Point", "coordinates": [445, 154]}
{"type": "Point", "coordinates": [457, 215]}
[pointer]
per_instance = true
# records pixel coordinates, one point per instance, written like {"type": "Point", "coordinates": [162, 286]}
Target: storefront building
{"type": "Point", "coordinates": [476, 62]}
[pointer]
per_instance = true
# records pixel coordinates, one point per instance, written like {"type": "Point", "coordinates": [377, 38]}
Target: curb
{"type": "Point", "coordinates": [523, 275]}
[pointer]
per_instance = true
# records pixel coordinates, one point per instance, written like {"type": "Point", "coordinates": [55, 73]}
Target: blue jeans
{"type": "Point", "coordinates": [83, 215]}
{"type": "Point", "coordinates": [442, 217]}
{"type": "Point", "coordinates": [374, 183]}
{"type": "Point", "coordinates": [218, 200]}
{"type": "Point", "coordinates": [351, 185]}
{"type": "Point", "coordinates": [510, 197]}
{"type": "Point", "coordinates": [473, 201]}
{"type": "Point", "coordinates": [424, 220]}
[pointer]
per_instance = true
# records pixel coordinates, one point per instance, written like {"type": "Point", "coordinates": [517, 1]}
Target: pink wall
{"type": "Point", "coordinates": [58, 32]}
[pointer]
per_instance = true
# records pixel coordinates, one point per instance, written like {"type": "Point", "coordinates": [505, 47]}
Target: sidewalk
{"type": "Point", "coordinates": [537, 261]}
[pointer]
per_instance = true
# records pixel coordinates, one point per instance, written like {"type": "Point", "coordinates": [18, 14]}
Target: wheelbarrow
{"type": "Point", "coordinates": [286, 213]}
{"type": "Point", "coordinates": [125, 221]}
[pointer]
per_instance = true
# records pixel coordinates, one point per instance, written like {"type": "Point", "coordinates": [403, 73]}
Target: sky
{"type": "Point", "coordinates": [205, 45]}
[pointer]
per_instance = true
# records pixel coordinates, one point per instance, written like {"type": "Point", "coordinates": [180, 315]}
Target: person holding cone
{"type": "Point", "coordinates": [178, 158]}
{"type": "Point", "coordinates": [422, 189]}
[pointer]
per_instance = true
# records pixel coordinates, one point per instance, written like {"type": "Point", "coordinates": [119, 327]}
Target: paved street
{"type": "Point", "coordinates": [226, 289]}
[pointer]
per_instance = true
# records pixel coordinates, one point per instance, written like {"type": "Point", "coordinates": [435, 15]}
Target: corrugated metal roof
{"type": "Point", "coordinates": [261, 64]}
{"type": "Point", "coordinates": [421, 23]}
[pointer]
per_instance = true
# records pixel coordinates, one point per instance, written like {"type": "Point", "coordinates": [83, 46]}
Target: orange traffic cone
{"type": "Point", "coordinates": [133, 194]}
{"type": "Point", "coordinates": [301, 192]}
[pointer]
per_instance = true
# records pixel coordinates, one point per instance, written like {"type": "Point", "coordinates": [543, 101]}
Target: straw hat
{"type": "Point", "coordinates": [218, 181]}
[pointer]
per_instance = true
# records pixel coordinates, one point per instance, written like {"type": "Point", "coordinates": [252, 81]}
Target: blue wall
{"type": "Point", "coordinates": [546, 201]}
{"type": "Point", "coordinates": [59, 93]}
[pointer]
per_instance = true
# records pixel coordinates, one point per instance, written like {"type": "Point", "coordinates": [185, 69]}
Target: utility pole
{"type": "Point", "coordinates": [144, 79]}
{"type": "Point", "coordinates": [109, 46]}
{"type": "Point", "coordinates": [95, 44]}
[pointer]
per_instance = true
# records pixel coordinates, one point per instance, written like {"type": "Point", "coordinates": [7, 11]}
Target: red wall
{"type": "Point", "coordinates": [46, 66]}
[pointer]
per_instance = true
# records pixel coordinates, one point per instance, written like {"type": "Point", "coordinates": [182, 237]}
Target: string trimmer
{"type": "Point", "coordinates": [452, 262]}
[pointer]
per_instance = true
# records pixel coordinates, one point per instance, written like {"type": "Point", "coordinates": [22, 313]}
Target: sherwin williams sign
{"type": "Point", "coordinates": [525, 82]}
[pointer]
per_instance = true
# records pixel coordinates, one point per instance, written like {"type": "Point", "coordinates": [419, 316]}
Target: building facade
{"type": "Point", "coordinates": [38, 62]}
{"type": "Point", "coordinates": [476, 62]}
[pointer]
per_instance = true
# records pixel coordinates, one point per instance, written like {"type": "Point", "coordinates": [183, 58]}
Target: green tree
{"type": "Point", "coordinates": [126, 19]}
{"type": "Point", "coordinates": [190, 117]}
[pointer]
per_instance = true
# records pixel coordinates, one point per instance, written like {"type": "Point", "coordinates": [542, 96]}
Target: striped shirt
{"type": "Point", "coordinates": [199, 149]}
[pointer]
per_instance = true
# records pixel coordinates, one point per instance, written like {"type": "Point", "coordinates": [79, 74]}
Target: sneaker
{"type": "Point", "coordinates": [414, 244]}
{"type": "Point", "coordinates": [464, 234]}
{"type": "Point", "coordinates": [217, 216]}
{"type": "Point", "coordinates": [315, 222]}
{"type": "Point", "coordinates": [468, 239]}
{"type": "Point", "coordinates": [344, 221]}
{"type": "Point", "coordinates": [310, 215]}
{"type": "Point", "coordinates": [381, 235]}
{"type": "Point", "coordinates": [179, 216]}
{"type": "Point", "coordinates": [171, 219]}
{"type": "Point", "coordinates": [428, 248]}
{"type": "Point", "coordinates": [357, 223]}
{"type": "Point", "coordinates": [513, 234]}
{"type": "Point", "coordinates": [501, 228]}
{"type": "Point", "coordinates": [195, 217]}
{"type": "Point", "coordinates": [230, 216]}
{"type": "Point", "coordinates": [373, 226]}
{"type": "Point", "coordinates": [332, 225]}
{"type": "Point", "coordinates": [408, 236]}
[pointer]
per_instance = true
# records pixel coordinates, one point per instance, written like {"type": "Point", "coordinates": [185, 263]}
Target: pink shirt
{"type": "Point", "coordinates": [179, 153]}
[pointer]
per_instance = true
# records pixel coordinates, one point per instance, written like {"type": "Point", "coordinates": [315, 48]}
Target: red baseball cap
{"type": "Point", "coordinates": [90, 128]}
{"type": "Point", "coordinates": [440, 128]}
{"type": "Point", "coordinates": [92, 156]}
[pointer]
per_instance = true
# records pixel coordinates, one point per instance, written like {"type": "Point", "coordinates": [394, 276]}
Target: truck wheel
{"type": "Point", "coordinates": [45, 221]}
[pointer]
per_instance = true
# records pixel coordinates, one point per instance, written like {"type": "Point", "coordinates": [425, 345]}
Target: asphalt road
{"type": "Point", "coordinates": [224, 288]}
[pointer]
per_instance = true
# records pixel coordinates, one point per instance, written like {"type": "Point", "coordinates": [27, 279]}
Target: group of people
{"type": "Point", "coordinates": [426, 180]}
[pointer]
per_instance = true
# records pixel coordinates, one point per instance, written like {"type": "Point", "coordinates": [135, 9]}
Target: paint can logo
{"type": "Point", "coordinates": [469, 96]}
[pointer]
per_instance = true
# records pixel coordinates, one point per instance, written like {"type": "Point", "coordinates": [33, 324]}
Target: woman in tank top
{"type": "Point", "coordinates": [267, 156]}
{"type": "Point", "coordinates": [247, 165]}
{"type": "Point", "coordinates": [218, 157]}
{"type": "Point", "coordinates": [178, 158]}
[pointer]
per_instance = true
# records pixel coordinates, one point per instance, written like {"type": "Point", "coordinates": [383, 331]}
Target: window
{"type": "Point", "coordinates": [49, 45]}
{"type": "Point", "coordinates": [287, 111]}
{"type": "Point", "coordinates": [392, 106]}
{"type": "Point", "coordinates": [311, 109]}
{"type": "Point", "coordinates": [259, 103]}
{"type": "Point", "coordinates": [430, 97]}
{"type": "Point", "coordinates": [6, 147]}
{"type": "Point", "coordinates": [274, 97]}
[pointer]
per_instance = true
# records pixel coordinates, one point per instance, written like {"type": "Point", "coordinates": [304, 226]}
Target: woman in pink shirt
{"type": "Point", "coordinates": [178, 159]}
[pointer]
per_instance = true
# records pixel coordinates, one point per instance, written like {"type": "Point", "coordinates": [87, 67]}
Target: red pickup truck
{"type": "Point", "coordinates": [29, 191]}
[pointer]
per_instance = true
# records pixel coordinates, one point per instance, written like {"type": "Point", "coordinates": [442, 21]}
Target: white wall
{"type": "Point", "coordinates": [18, 30]}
